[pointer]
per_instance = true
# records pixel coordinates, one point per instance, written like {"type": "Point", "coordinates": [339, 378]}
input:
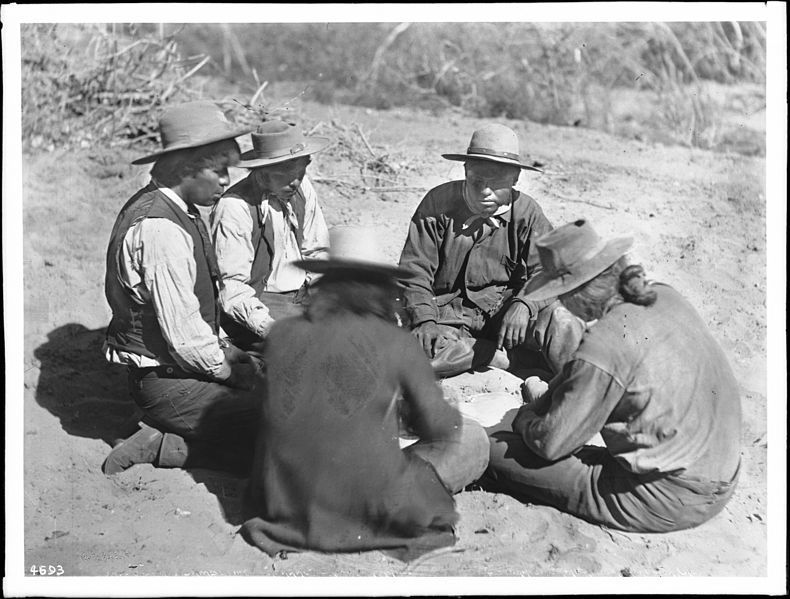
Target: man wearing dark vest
{"type": "Point", "coordinates": [194, 389]}
{"type": "Point", "coordinates": [261, 225]}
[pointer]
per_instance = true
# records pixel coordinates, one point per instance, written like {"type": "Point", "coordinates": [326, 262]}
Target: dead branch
{"type": "Point", "coordinates": [365, 140]}
{"type": "Point", "coordinates": [576, 201]}
{"type": "Point", "coordinates": [345, 183]}
{"type": "Point", "coordinates": [258, 92]}
{"type": "Point", "coordinates": [373, 73]}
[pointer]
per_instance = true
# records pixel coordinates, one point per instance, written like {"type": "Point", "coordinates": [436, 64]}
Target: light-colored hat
{"type": "Point", "coordinates": [277, 141]}
{"type": "Point", "coordinates": [355, 249]}
{"type": "Point", "coordinates": [495, 143]}
{"type": "Point", "coordinates": [191, 125]}
{"type": "Point", "coordinates": [571, 255]}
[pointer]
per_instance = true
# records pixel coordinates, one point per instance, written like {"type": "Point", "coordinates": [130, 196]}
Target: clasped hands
{"type": "Point", "coordinates": [246, 368]}
{"type": "Point", "coordinates": [512, 332]}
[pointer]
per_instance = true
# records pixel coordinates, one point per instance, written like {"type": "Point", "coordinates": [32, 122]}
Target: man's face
{"type": "Point", "coordinates": [283, 180]}
{"type": "Point", "coordinates": [489, 185]}
{"type": "Point", "coordinates": [206, 186]}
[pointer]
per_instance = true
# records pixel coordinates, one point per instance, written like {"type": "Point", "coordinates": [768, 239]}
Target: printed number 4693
{"type": "Point", "coordinates": [47, 570]}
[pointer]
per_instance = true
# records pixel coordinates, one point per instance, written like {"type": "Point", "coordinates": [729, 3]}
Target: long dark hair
{"type": "Point", "coordinates": [619, 283]}
{"type": "Point", "coordinates": [350, 291]}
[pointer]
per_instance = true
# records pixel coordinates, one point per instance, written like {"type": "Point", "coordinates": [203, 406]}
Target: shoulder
{"type": "Point", "coordinates": [241, 191]}
{"type": "Point", "coordinates": [160, 238]}
{"type": "Point", "coordinates": [231, 206]}
{"type": "Point", "coordinates": [441, 199]}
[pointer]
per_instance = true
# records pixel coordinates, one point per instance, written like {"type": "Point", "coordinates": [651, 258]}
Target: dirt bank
{"type": "Point", "coordinates": [699, 223]}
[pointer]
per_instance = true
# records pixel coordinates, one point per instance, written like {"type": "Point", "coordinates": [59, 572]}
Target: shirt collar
{"type": "Point", "coordinates": [172, 195]}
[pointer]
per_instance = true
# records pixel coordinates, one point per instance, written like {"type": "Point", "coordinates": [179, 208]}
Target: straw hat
{"type": "Point", "coordinates": [191, 125]}
{"type": "Point", "coordinates": [495, 143]}
{"type": "Point", "coordinates": [277, 141]}
{"type": "Point", "coordinates": [571, 255]}
{"type": "Point", "coordinates": [355, 249]}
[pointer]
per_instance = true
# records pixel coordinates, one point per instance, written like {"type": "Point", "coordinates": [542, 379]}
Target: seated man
{"type": "Point", "coordinates": [261, 225]}
{"type": "Point", "coordinates": [648, 376]}
{"type": "Point", "coordinates": [195, 391]}
{"type": "Point", "coordinates": [329, 472]}
{"type": "Point", "coordinates": [470, 247]}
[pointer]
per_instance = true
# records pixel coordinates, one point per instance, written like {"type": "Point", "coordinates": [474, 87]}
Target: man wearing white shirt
{"type": "Point", "coordinates": [162, 281]}
{"type": "Point", "coordinates": [261, 226]}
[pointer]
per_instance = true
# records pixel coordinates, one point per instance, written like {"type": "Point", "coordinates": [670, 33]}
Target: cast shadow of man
{"type": "Point", "coordinates": [90, 398]}
{"type": "Point", "coordinates": [78, 386]}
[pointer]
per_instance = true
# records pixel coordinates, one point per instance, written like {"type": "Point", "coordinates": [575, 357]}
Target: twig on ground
{"type": "Point", "coordinates": [365, 140]}
{"type": "Point", "coordinates": [335, 181]}
{"type": "Point", "coordinates": [422, 559]}
{"type": "Point", "coordinates": [258, 92]}
{"type": "Point", "coordinates": [565, 199]}
{"type": "Point", "coordinates": [316, 127]}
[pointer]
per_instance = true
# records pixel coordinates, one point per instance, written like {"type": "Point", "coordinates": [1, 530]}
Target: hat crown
{"type": "Point", "coordinates": [355, 244]}
{"type": "Point", "coordinates": [275, 139]}
{"type": "Point", "coordinates": [495, 140]}
{"type": "Point", "coordinates": [193, 124]}
{"type": "Point", "coordinates": [566, 249]}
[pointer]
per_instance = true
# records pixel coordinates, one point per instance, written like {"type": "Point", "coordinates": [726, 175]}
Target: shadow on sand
{"type": "Point", "coordinates": [90, 398]}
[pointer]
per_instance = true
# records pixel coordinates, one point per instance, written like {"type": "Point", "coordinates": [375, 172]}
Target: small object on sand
{"type": "Point", "coordinates": [489, 409]}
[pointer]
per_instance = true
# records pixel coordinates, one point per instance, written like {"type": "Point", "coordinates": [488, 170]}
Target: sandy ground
{"type": "Point", "coordinates": [699, 223]}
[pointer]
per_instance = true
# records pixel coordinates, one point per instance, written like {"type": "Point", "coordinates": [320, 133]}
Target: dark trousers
{"type": "Point", "coordinates": [552, 337]}
{"type": "Point", "coordinates": [591, 484]}
{"type": "Point", "coordinates": [217, 423]}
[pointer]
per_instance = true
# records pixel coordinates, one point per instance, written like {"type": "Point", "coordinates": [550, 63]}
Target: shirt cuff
{"type": "Point", "coordinates": [422, 313]}
{"type": "Point", "coordinates": [223, 372]}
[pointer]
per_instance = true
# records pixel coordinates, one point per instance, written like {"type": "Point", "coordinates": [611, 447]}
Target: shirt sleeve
{"type": "Point", "coordinates": [168, 271]}
{"type": "Point", "coordinates": [231, 229]}
{"type": "Point", "coordinates": [315, 238]}
{"type": "Point", "coordinates": [420, 255]}
{"type": "Point", "coordinates": [581, 400]}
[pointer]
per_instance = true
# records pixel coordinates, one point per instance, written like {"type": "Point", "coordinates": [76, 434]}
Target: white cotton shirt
{"type": "Point", "coordinates": [231, 229]}
{"type": "Point", "coordinates": [157, 266]}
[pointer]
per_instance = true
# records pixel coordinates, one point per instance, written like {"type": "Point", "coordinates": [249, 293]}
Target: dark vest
{"type": "Point", "coordinates": [263, 236]}
{"type": "Point", "coordinates": [134, 327]}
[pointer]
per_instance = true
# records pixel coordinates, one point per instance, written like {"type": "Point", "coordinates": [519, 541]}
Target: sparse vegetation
{"type": "Point", "coordinates": [102, 81]}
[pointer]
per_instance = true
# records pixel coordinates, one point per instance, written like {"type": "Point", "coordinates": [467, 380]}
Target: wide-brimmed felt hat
{"type": "Point", "coordinates": [190, 125]}
{"type": "Point", "coordinates": [494, 143]}
{"type": "Point", "coordinates": [354, 249]}
{"type": "Point", "coordinates": [277, 141]}
{"type": "Point", "coordinates": [571, 255]}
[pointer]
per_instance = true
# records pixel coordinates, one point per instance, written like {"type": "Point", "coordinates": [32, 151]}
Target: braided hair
{"type": "Point", "coordinates": [634, 288]}
{"type": "Point", "coordinates": [618, 283]}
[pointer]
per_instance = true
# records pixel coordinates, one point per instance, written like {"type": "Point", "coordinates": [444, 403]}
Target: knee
{"type": "Point", "coordinates": [475, 449]}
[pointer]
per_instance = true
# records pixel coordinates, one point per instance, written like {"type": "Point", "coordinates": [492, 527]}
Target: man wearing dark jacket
{"type": "Point", "coordinates": [471, 250]}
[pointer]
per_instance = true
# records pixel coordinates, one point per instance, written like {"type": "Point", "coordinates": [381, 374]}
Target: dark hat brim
{"type": "Point", "coordinates": [499, 159]}
{"type": "Point", "coordinates": [545, 285]}
{"type": "Point", "coordinates": [338, 264]}
{"type": "Point", "coordinates": [313, 145]}
{"type": "Point", "coordinates": [231, 134]}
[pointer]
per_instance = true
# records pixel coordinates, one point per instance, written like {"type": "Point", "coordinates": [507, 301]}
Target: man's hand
{"type": "Point", "coordinates": [513, 331]}
{"type": "Point", "coordinates": [432, 337]}
{"type": "Point", "coordinates": [244, 370]}
{"type": "Point", "coordinates": [532, 389]}
{"type": "Point", "coordinates": [523, 416]}
{"type": "Point", "coordinates": [233, 354]}
{"type": "Point", "coordinates": [242, 376]}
